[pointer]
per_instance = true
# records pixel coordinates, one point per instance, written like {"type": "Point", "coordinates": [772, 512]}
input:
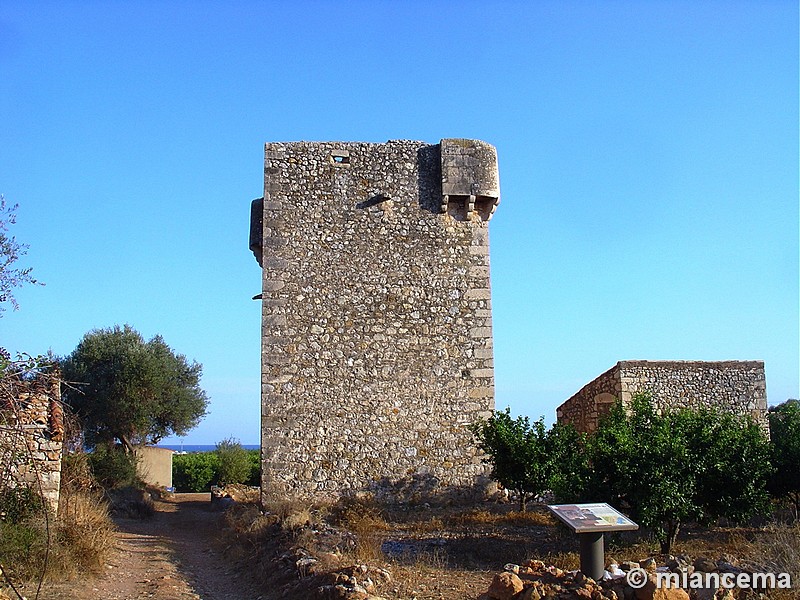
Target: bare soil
{"type": "Point", "coordinates": [174, 555]}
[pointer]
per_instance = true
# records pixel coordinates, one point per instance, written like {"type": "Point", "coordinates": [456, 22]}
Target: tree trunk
{"type": "Point", "coordinates": [671, 533]}
{"type": "Point", "coordinates": [523, 501]}
{"type": "Point", "coordinates": [126, 444]}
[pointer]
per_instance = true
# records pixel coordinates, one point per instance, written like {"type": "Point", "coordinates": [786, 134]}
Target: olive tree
{"type": "Point", "coordinates": [11, 276]}
{"type": "Point", "coordinates": [130, 390]}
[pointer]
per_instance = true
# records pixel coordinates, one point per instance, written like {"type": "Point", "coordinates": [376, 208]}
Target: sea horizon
{"type": "Point", "coordinates": [202, 447]}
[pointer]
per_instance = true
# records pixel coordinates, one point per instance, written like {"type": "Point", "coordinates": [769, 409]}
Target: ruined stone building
{"type": "Point", "coordinates": [377, 324]}
{"type": "Point", "coordinates": [31, 435]}
{"type": "Point", "coordinates": [731, 386]}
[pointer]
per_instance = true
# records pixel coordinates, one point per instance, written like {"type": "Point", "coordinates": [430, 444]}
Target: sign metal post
{"type": "Point", "coordinates": [590, 521]}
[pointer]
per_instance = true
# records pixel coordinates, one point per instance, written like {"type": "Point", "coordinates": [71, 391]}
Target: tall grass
{"type": "Point", "coordinates": [76, 542]}
{"type": "Point", "coordinates": [84, 534]}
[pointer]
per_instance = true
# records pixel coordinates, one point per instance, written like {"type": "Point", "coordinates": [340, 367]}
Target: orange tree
{"type": "Point", "coordinates": [674, 466]}
{"type": "Point", "coordinates": [784, 427]}
{"type": "Point", "coordinates": [530, 460]}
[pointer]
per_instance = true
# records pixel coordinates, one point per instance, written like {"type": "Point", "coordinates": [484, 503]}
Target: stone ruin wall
{"type": "Point", "coordinates": [377, 327]}
{"type": "Point", "coordinates": [738, 387]}
{"type": "Point", "coordinates": [31, 436]}
{"type": "Point", "coordinates": [595, 399]}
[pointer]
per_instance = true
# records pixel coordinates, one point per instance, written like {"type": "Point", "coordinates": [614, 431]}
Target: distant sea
{"type": "Point", "coordinates": [202, 447]}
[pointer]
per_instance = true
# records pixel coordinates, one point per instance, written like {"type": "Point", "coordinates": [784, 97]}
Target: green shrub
{"type": "Point", "coordinates": [18, 504]}
{"type": "Point", "coordinates": [234, 463]}
{"type": "Point", "coordinates": [530, 460]}
{"type": "Point", "coordinates": [198, 471]}
{"type": "Point", "coordinates": [195, 472]}
{"type": "Point", "coordinates": [112, 467]}
{"type": "Point", "coordinates": [23, 536]}
{"type": "Point", "coordinates": [784, 426]}
{"type": "Point", "coordinates": [671, 467]}
{"type": "Point", "coordinates": [254, 456]}
{"type": "Point", "coordinates": [23, 546]}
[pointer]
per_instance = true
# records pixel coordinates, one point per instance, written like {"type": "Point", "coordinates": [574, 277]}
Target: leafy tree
{"type": "Point", "coordinates": [234, 462]}
{"type": "Point", "coordinates": [10, 252]}
{"type": "Point", "coordinates": [677, 466]}
{"type": "Point", "coordinates": [784, 427]}
{"type": "Point", "coordinates": [528, 459]}
{"type": "Point", "coordinates": [123, 388]}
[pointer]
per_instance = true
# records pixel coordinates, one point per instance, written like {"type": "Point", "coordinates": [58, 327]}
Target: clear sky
{"type": "Point", "coordinates": [648, 161]}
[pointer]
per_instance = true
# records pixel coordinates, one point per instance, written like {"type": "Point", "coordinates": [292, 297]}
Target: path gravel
{"type": "Point", "coordinates": [171, 556]}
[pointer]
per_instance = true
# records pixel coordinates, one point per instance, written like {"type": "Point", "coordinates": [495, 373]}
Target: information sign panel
{"type": "Point", "coordinates": [585, 518]}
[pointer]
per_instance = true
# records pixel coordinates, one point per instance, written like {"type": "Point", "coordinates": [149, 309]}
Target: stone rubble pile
{"type": "Point", "coordinates": [353, 582]}
{"type": "Point", "coordinates": [228, 495]}
{"type": "Point", "coordinates": [356, 582]}
{"type": "Point", "coordinates": [533, 580]}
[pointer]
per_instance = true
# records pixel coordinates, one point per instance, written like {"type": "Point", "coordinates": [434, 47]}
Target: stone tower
{"type": "Point", "coordinates": [377, 325]}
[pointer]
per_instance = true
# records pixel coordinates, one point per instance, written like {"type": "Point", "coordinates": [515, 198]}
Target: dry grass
{"type": "Point", "coordinates": [423, 582]}
{"type": "Point", "coordinates": [247, 519]}
{"type": "Point", "coordinates": [455, 552]}
{"type": "Point", "coordinates": [76, 542]}
{"type": "Point", "coordinates": [84, 533]}
{"type": "Point", "coordinates": [84, 530]}
{"type": "Point", "coordinates": [535, 518]}
{"type": "Point", "coordinates": [366, 520]}
{"type": "Point", "coordinates": [294, 515]}
{"type": "Point", "coordinates": [54, 549]}
{"type": "Point", "coordinates": [783, 544]}
{"type": "Point", "coordinates": [569, 561]}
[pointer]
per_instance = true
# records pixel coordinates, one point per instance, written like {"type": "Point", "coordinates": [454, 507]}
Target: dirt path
{"type": "Point", "coordinates": [171, 556]}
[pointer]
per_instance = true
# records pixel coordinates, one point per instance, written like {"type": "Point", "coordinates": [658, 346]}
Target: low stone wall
{"type": "Point", "coordinates": [584, 409]}
{"type": "Point", "coordinates": [31, 435]}
{"type": "Point", "coordinates": [738, 387]}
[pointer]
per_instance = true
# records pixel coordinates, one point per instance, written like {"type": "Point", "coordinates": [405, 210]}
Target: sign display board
{"type": "Point", "coordinates": [586, 518]}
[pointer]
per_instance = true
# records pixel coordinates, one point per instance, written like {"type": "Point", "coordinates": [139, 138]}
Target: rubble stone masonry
{"type": "Point", "coordinates": [732, 386]}
{"type": "Point", "coordinates": [31, 436]}
{"type": "Point", "coordinates": [377, 323]}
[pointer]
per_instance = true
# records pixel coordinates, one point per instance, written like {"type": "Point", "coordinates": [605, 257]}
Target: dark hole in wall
{"type": "Point", "coordinates": [429, 181]}
{"type": "Point", "coordinates": [372, 201]}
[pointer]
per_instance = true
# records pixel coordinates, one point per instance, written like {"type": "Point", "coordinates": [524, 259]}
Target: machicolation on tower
{"type": "Point", "coordinates": [377, 324]}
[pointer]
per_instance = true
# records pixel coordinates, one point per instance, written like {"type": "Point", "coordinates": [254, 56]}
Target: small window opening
{"type": "Point", "coordinates": [340, 158]}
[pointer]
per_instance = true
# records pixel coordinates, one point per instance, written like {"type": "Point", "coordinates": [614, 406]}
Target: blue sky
{"type": "Point", "coordinates": [648, 160]}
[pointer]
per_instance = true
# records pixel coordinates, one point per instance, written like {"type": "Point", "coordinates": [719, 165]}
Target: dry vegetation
{"type": "Point", "coordinates": [438, 552]}
{"type": "Point", "coordinates": [41, 547]}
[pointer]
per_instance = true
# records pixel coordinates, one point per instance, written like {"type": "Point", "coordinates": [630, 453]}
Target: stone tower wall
{"type": "Point", "coordinates": [377, 331]}
{"type": "Point", "coordinates": [738, 387]}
